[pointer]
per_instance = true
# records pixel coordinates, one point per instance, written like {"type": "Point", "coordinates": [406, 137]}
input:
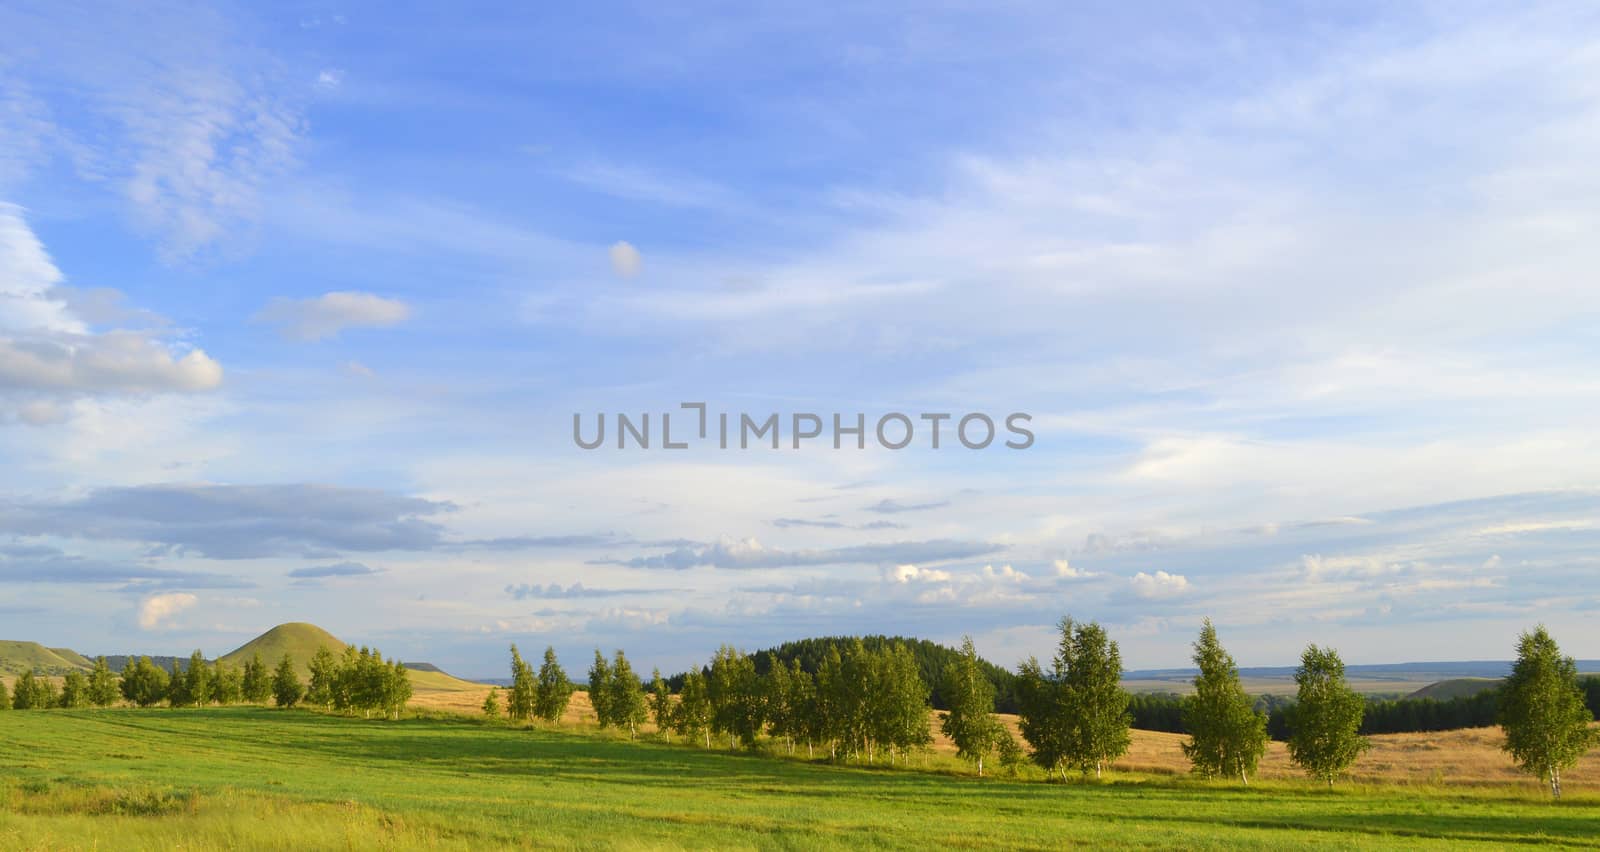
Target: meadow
{"type": "Point", "coordinates": [218, 778]}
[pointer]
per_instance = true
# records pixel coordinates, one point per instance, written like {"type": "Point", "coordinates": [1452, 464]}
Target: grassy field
{"type": "Point", "coordinates": [258, 778]}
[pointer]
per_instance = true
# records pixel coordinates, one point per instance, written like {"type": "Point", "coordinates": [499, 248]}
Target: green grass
{"type": "Point", "coordinates": [258, 778]}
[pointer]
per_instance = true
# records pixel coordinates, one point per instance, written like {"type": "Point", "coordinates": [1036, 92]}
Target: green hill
{"type": "Point", "coordinates": [297, 639]}
{"type": "Point", "coordinates": [1460, 687]}
{"type": "Point", "coordinates": [18, 657]}
{"type": "Point", "coordinates": [301, 641]}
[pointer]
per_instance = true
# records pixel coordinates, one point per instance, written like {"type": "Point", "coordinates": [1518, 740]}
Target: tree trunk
{"type": "Point", "coordinates": [1555, 783]}
{"type": "Point", "coordinates": [1097, 770]}
{"type": "Point", "coordinates": [980, 766]}
{"type": "Point", "coordinates": [1244, 778]}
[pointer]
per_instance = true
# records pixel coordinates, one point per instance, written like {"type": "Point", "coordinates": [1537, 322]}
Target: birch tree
{"type": "Point", "coordinates": [1227, 737]}
{"type": "Point", "coordinates": [1325, 722]}
{"type": "Point", "coordinates": [1542, 710]}
{"type": "Point", "coordinates": [970, 722]}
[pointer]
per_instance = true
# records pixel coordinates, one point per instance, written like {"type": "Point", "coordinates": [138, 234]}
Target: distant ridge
{"type": "Point", "coordinates": [17, 657]}
{"type": "Point", "coordinates": [1460, 687]}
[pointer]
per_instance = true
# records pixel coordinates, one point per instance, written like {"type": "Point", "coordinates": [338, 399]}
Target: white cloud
{"type": "Point", "coordinates": [156, 609]}
{"type": "Point", "coordinates": [912, 574]}
{"type": "Point", "coordinates": [1004, 573]}
{"type": "Point", "coordinates": [329, 79]}
{"type": "Point", "coordinates": [1159, 586]}
{"type": "Point", "coordinates": [1066, 571]}
{"type": "Point", "coordinates": [625, 260]}
{"type": "Point", "coordinates": [117, 361]}
{"type": "Point", "coordinates": [45, 346]}
{"type": "Point", "coordinates": [27, 277]}
{"type": "Point", "coordinates": [327, 315]}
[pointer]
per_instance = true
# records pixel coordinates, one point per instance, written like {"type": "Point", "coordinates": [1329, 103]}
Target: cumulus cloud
{"type": "Point", "coordinates": [1004, 574]}
{"type": "Point", "coordinates": [156, 609]}
{"type": "Point", "coordinates": [47, 347]}
{"type": "Point", "coordinates": [908, 573]}
{"type": "Point", "coordinates": [1066, 571]}
{"type": "Point", "coordinates": [116, 361]}
{"type": "Point", "coordinates": [327, 315]}
{"type": "Point", "coordinates": [625, 259]}
{"type": "Point", "coordinates": [1158, 586]}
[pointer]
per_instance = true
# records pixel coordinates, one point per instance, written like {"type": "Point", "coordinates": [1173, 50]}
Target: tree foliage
{"type": "Point", "coordinates": [692, 717]}
{"type": "Point", "coordinates": [144, 683]}
{"type": "Point", "coordinates": [661, 704]}
{"type": "Point", "coordinates": [286, 687]}
{"type": "Point", "coordinates": [931, 659]}
{"type": "Point", "coordinates": [1227, 737]}
{"type": "Point", "coordinates": [75, 689]}
{"type": "Point", "coordinates": [1325, 722]}
{"type": "Point", "coordinates": [599, 694]}
{"type": "Point", "coordinates": [1076, 713]}
{"type": "Point", "coordinates": [324, 670]}
{"type": "Point", "coordinates": [524, 690]}
{"type": "Point", "coordinates": [553, 690]}
{"type": "Point", "coordinates": [625, 700]}
{"type": "Point", "coordinates": [256, 686]}
{"type": "Point", "coordinates": [969, 721]}
{"type": "Point", "coordinates": [1542, 710]}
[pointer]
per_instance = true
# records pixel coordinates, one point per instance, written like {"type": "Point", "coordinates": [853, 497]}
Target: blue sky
{"type": "Point", "coordinates": [297, 304]}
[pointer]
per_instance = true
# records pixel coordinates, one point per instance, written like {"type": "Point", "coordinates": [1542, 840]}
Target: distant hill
{"type": "Point", "coordinates": [118, 662]}
{"type": "Point", "coordinates": [1460, 687]}
{"type": "Point", "coordinates": [301, 640]}
{"type": "Point", "coordinates": [297, 639]}
{"type": "Point", "coordinates": [17, 657]}
{"type": "Point", "coordinates": [433, 679]}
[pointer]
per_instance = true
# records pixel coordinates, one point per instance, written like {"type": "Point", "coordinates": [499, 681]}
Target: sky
{"type": "Point", "coordinates": [298, 303]}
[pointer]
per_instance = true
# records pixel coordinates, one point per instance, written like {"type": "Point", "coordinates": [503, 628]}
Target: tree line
{"type": "Point", "coordinates": [861, 702]}
{"type": "Point", "coordinates": [359, 680]}
{"type": "Point", "coordinates": [1164, 712]}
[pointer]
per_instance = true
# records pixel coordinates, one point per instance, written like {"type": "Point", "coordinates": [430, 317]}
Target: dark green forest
{"type": "Point", "coordinates": [1164, 712]}
{"type": "Point", "coordinates": [931, 661]}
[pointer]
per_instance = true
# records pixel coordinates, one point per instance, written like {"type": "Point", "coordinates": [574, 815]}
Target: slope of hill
{"type": "Point", "coordinates": [17, 657]}
{"type": "Point", "coordinates": [301, 640]}
{"type": "Point", "coordinates": [1460, 687]}
{"type": "Point", "coordinates": [297, 639]}
{"type": "Point", "coordinates": [433, 679]}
